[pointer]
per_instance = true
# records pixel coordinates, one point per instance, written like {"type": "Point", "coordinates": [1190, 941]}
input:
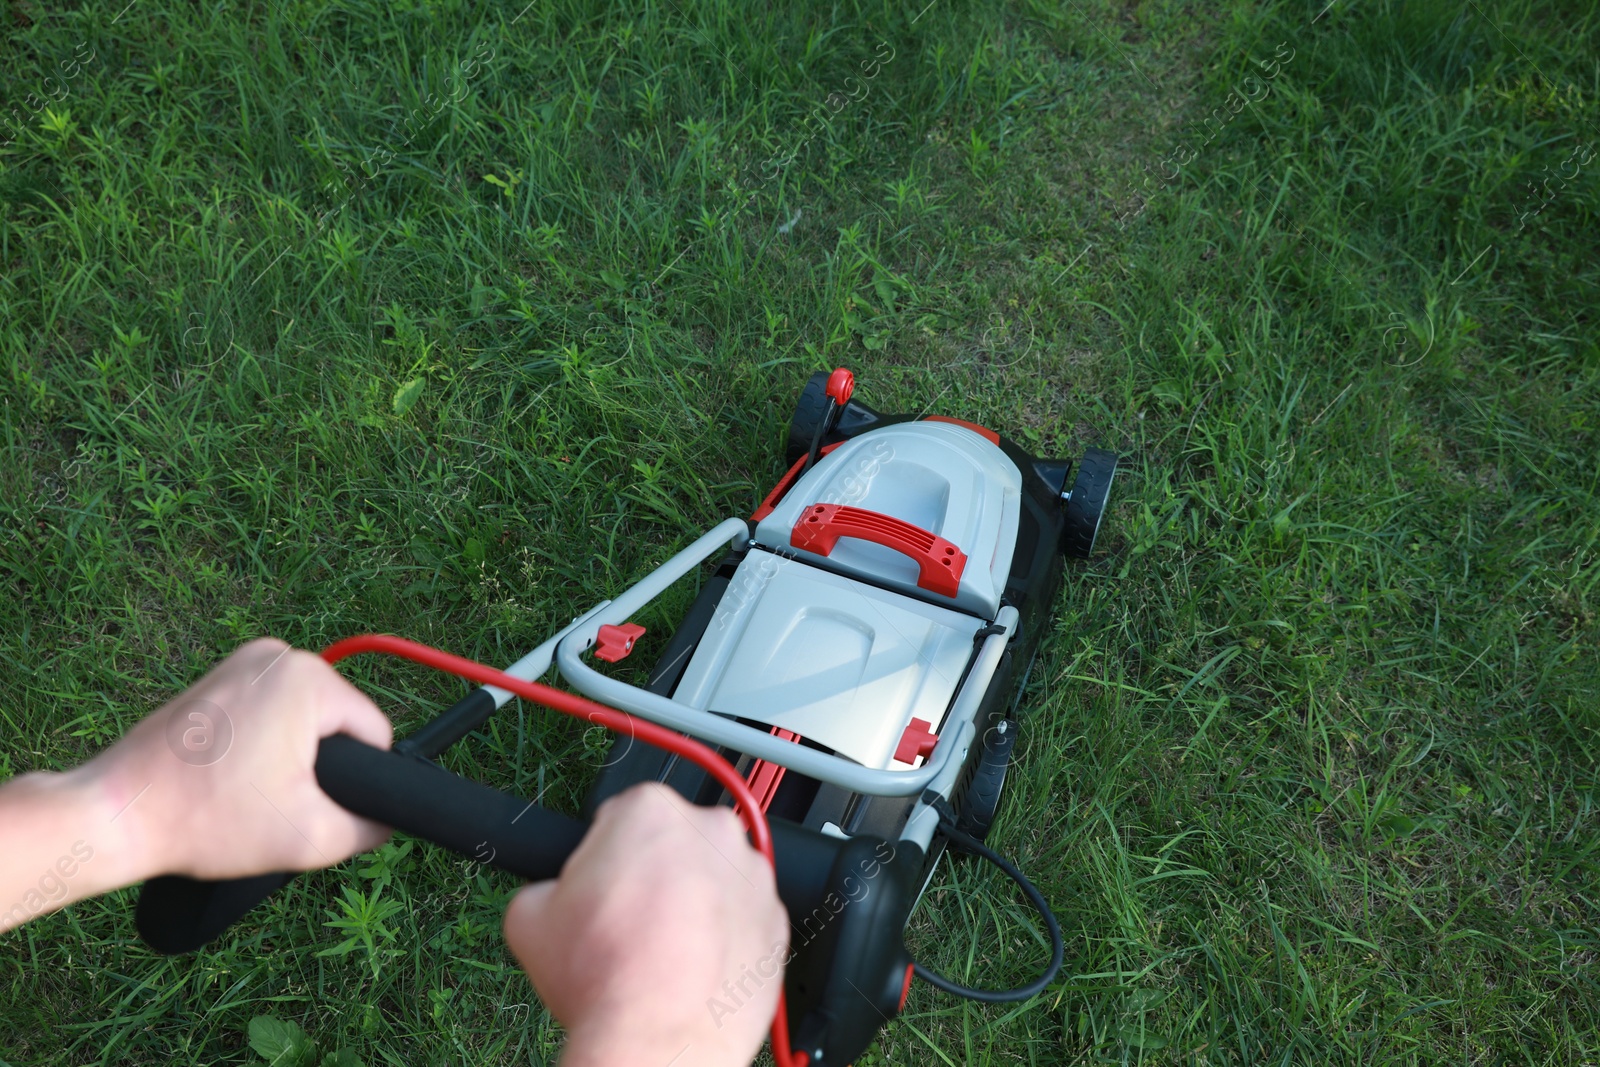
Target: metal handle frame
{"type": "Point", "coordinates": [955, 740]}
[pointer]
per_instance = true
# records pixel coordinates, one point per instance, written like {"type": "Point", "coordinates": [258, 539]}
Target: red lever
{"type": "Point", "coordinates": [821, 525]}
{"type": "Point", "coordinates": [841, 383]}
{"type": "Point", "coordinates": [918, 740]}
{"type": "Point", "coordinates": [615, 642]}
{"type": "Point", "coordinates": [764, 777]}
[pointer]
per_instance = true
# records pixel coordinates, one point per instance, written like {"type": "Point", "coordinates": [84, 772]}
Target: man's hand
{"type": "Point", "coordinates": [663, 941]}
{"type": "Point", "coordinates": [219, 782]}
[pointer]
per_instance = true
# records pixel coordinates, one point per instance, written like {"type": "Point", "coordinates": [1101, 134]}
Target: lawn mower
{"type": "Point", "coordinates": [847, 678]}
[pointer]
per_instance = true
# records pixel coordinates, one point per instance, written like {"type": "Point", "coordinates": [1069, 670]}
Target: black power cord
{"type": "Point", "coordinates": [1058, 948]}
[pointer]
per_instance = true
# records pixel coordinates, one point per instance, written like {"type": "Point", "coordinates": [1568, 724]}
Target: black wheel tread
{"type": "Point", "coordinates": [1090, 490]}
{"type": "Point", "coordinates": [981, 801]}
{"type": "Point", "coordinates": [808, 412]}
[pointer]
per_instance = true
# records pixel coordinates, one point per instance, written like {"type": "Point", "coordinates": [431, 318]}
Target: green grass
{"type": "Point", "coordinates": [1308, 767]}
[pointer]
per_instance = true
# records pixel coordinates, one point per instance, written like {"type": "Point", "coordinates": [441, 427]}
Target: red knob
{"type": "Point", "coordinates": [841, 383]}
{"type": "Point", "coordinates": [918, 740]}
{"type": "Point", "coordinates": [614, 643]}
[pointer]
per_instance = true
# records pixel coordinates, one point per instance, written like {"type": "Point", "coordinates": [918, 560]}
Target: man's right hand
{"type": "Point", "coordinates": [663, 941]}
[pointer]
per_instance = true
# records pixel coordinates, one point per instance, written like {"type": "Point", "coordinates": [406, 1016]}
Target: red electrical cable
{"type": "Point", "coordinates": [748, 808]}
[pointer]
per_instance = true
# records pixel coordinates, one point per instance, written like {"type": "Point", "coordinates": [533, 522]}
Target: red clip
{"type": "Point", "coordinates": [841, 383]}
{"type": "Point", "coordinates": [918, 740]}
{"type": "Point", "coordinates": [615, 642]}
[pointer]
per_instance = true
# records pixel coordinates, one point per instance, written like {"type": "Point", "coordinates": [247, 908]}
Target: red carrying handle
{"type": "Point", "coordinates": [748, 808]}
{"type": "Point", "coordinates": [939, 562]}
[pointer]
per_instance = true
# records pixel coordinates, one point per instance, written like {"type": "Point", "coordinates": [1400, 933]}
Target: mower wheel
{"type": "Point", "coordinates": [1087, 502]}
{"type": "Point", "coordinates": [982, 797]}
{"type": "Point", "coordinates": [808, 414]}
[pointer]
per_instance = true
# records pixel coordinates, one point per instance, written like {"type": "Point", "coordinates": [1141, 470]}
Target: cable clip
{"type": "Point", "coordinates": [941, 807]}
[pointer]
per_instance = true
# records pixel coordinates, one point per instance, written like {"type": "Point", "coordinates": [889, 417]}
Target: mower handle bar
{"type": "Point", "coordinates": [403, 789]}
{"type": "Point", "coordinates": [178, 914]}
{"type": "Point", "coordinates": [955, 739]}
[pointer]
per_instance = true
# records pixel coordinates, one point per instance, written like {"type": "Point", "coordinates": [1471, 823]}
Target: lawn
{"type": "Point", "coordinates": [449, 319]}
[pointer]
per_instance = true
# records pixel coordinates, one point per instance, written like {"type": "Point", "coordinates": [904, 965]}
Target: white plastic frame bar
{"type": "Point", "coordinates": [531, 668]}
{"type": "Point", "coordinates": [955, 740]}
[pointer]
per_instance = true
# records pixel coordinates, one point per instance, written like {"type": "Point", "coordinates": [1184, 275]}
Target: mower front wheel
{"type": "Point", "coordinates": [808, 415]}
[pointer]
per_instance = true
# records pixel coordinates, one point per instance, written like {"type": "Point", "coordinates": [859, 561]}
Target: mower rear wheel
{"type": "Point", "coordinates": [1086, 504]}
{"type": "Point", "coordinates": [982, 799]}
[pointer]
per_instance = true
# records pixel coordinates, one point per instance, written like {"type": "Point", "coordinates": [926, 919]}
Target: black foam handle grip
{"type": "Point", "coordinates": [177, 914]}
{"type": "Point", "coordinates": [423, 799]}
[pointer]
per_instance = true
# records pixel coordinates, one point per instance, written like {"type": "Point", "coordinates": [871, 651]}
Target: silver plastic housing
{"type": "Point", "coordinates": [941, 477]}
